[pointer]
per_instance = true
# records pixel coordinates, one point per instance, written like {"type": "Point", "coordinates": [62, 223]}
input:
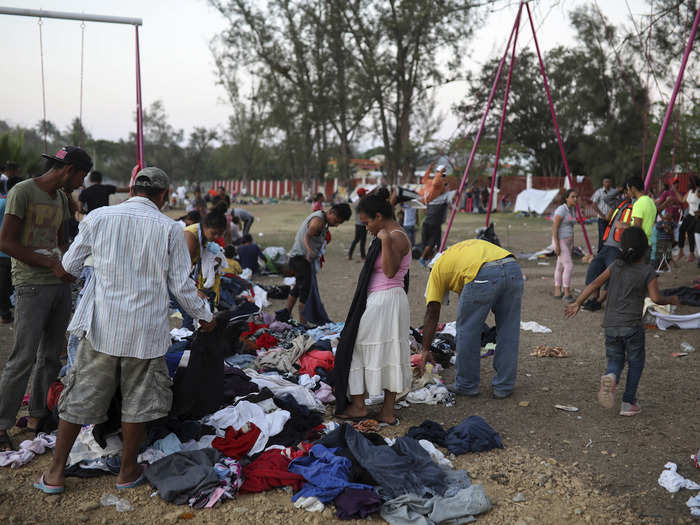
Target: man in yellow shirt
{"type": "Point", "coordinates": [487, 278]}
{"type": "Point", "coordinates": [644, 209]}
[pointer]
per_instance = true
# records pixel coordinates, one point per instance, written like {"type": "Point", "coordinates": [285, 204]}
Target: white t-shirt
{"type": "Point", "coordinates": [693, 202]}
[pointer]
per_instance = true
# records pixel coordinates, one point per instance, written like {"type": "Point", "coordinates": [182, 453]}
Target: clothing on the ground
{"type": "Point", "coordinates": [472, 435]}
{"type": "Point", "coordinates": [183, 475]}
{"type": "Point", "coordinates": [285, 359]}
{"type": "Point", "coordinates": [459, 265]}
{"type": "Point", "coordinates": [686, 295]}
{"type": "Point", "coordinates": [626, 343]}
{"type": "Point", "coordinates": [314, 359]}
{"type": "Point", "coordinates": [429, 430]}
{"type": "Point", "coordinates": [411, 509]}
{"type": "Point", "coordinates": [41, 317]}
{"type": "Point", "coordinates": [325, 473]}
{"type": "Point", "coordinates": [568, 219]}
{"type": "Point", "coordinates": [299, 427]}
{"type": "Point", "coordinates": [356, 503]}
{"type": "Point", "coordinates": [123, 313]}
{"type": "Point", "coordinates": [268, 471]}
{"type": "Point", "coordinates": [381, 358]}
{"type": "Point", "coordinates": [94, 379]}
{"type": "Point", "coordinates": [96, 196]}
{"type": "Point", "coordinates": [315, 241]}
{"type": "Point", "coordinates": [346, 343]}
{"type": "Point", "coordinates": [645, 209]}
{"type": "Point", "coordinates": [628, 285]}
{"type": "Point", "coordinates": [41, 218]}
{"type": "Point", "coordinates": [237, 443]}
{"type": "Point", "coordinates": [497, 287]}
{"type": "Point", "coordinates": [564, 268]}
{"type": "Point", "coordinates": [249, 254]}
{"type": "Point", "coordinates": [27, 450]}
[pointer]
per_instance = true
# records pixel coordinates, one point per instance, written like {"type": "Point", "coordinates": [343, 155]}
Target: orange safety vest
{"type": "Point", "coordinates": [625, 208]}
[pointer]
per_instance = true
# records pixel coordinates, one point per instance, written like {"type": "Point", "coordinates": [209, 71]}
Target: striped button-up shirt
{"type": "Point", "coordinates": [138, 255]}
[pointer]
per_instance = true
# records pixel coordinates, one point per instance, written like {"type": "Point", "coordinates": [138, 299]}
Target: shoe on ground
{"type": "Point", "coordinates": [423, 263]}
{"type": "Point", "coordinates": [606, 394]}
{"type": "Point", "coordinates": [569, 298]}
{"type": "Point", "coordinates": [630, 409]}
{"type": "Point", "coordinates": [452, 387]}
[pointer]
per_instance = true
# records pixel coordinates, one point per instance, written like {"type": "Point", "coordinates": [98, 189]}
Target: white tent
{"type": "Point", "coordinates": [534, 200]}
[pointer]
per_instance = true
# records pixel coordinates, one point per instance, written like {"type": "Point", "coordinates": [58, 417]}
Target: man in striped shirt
{"type": "Point", "coordinates": [139, 254]}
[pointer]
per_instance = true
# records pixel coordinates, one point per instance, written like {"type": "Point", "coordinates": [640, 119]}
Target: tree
{"type": "Point", "coordinates": [162, 142]}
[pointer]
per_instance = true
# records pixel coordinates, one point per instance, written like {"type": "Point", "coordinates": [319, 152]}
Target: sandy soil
{"type": "Point", "coordinates": [587, 467]}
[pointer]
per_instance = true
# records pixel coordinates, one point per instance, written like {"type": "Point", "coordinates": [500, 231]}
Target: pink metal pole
{"type": "Point", "coordinates": [669, 110]}
{"type": "Point", "coordinates": [139, 111]}
{"type": "Point", "coordinates": [503, 121]}
{"type": "Point", "coordinates": [556, 127]}
{"type": "Point", "coordinates": [480, 131]}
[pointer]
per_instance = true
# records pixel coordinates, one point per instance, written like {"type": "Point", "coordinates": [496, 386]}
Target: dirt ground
{"type": "Point", "coordinates": [592, 466]}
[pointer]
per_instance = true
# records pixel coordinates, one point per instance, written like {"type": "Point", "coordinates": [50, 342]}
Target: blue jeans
{"type": "Point", "coordinates": [604, 258]}
{"type": "Point", "coordinates": [602, 224]}
{"type": "Point", "coordinates": [73, 341]}
{"type": "Point", "coordinates": [411, 231]}
{"type": "Point", "coordinates": [625, 343]}
{"type": "Point", "coordinates": [497, 288]}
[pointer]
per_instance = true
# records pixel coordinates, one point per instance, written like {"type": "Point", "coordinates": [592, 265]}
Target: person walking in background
{"type": "Point", "coordinates": [6, 264]}
{"type": "Point", "coordinates": [33, 235]}
{"type": "Point", "coordinates": [563, 222]}
{"type": "Point", "coordinates": [97, 194]}
{"type": "Point", "coordinates": [631, 280]}
{"type": "Point", "coordinates": [221, 196]}
{"type": "Point", "coordinates": [604, 201]}
{"type": "Point", "coordinates": [123, 323]}
{"type": "Point", "coordinates": [360, 230]}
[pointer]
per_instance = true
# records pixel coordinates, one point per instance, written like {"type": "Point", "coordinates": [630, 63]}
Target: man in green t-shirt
{"type": "Point", "coordinates": [32, 234]}
{"type": "Point", "coordinates": [644, 209]}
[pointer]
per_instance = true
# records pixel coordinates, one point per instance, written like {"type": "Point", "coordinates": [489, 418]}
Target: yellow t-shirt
{"type": "Point", "coordinates": [232, 267]}
{"type": "Point", "coordinates": [194, 230]}
{"type": "Point", "coordinates": [645, 209]}
{"type": "Point", "coordinates": [458, 266]}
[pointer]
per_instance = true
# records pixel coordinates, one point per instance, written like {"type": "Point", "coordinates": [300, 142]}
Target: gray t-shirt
{"type": "Point", "coordinates": [242, 214]}
{"type": "Point", "coordinates": [315, 242]}
{"type": "Point", "coordinates": [627, 288]}
{"type": "Point", "coordinates": [566, 226]}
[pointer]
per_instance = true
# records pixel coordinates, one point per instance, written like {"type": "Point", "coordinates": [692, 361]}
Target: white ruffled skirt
{"type": "Point", "coordinates": [381, 359]}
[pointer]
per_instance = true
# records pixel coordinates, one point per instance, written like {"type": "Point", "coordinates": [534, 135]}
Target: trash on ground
{"type": "Point", "coordinates": [548, 351]}
{"type": "Point", "coordinates": [566, 408]}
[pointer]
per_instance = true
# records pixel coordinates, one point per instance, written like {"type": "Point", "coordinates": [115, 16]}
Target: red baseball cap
{"type": "Point", "coordinates": [361, 192]}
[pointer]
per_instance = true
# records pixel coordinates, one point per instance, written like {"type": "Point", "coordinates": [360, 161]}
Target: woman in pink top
{"type": "Point", "coordinates": [318, 202]}
{"type": "Point", "coordinates": [381, 359]}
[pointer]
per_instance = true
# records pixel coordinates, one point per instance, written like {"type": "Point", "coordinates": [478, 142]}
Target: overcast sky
{"type": "Point", "coordinates": [176, 64]}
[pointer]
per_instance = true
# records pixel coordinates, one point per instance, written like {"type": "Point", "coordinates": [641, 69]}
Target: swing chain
{"type": "Point", "coordinates": [43, 85]}
{"type": "Point", "coordinates": [82, 55]}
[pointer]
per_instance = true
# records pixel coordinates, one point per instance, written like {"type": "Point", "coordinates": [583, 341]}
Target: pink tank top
{"type": "Point", "coordinates": [381, 282]}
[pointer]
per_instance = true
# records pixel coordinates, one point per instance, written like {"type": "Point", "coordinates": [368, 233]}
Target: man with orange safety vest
{"type": "Point", "coordinates": [620, 218]}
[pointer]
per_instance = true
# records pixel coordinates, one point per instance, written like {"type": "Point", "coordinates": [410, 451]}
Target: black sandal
{"type": "Point", "coordinates": [6, 443]}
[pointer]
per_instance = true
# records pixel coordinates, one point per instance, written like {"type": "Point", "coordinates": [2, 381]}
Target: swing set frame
{"type": "Point", "coordinates": [82, 17]}
{"type": "Point", "coordinates": [512, 43]}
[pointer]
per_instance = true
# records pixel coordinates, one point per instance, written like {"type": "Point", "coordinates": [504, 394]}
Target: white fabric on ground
{"type": "Point", "coordinates": [180, 333]}
{"type": "Point", "coordinates": [27, 450]}
{"type": "Point", "coordinates": [663, 321]}
{"type": "Point", "coordinates": [382, 355]}
{"type": "Point", "coordinates": [694, 504]}
{"type": "Point", "coordinates": [532, 326]}
{"type": "Point", "coordinates": [270, 424]}
{"type": "Point", "coordinates": [672, 481]}
{"type": "Point", "coordinates": [437, 456]}
{"type": "Point", "coordinates": [85, 447]}
{"type": "Point", "coordinates": [429, 395]}
{"type": "Point", "coordinates": [279, 386]}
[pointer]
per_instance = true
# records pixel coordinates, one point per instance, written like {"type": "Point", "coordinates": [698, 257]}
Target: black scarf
{"type": "Point", "coordinates": [346, 344]}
